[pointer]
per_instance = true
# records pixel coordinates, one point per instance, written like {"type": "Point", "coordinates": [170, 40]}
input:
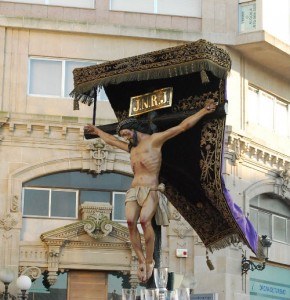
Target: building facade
{"type": "Point", "coordinates": [62, 197]}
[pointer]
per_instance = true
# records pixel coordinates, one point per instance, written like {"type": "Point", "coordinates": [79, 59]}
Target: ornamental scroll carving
{"type": "Point", "coordinates": [98, 226]}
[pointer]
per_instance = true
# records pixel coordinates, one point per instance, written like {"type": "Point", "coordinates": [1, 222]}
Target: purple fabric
{"type": "Point", "coordinates": [243, 222]}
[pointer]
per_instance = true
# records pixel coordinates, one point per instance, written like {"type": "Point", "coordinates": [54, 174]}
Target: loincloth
{"type": "Point", "coordinates": [140, 194]}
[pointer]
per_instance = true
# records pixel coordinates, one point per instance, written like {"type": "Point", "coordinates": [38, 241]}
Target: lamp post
{"type": "Point", "coordinates": [23, 283]}
{"type": "Point", "coordinates": [6, 276]}
{"type": "Point", "coordinates": [247, 264]}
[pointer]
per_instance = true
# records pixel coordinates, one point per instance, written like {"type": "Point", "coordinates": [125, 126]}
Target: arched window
{"type": "Point", "coordinates": [270, 216]}
{"type": "Point", "coordinates": [59, 195]}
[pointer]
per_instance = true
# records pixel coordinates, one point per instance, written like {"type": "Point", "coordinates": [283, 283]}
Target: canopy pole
{"type": "Point", "coordinates": [95, 105]}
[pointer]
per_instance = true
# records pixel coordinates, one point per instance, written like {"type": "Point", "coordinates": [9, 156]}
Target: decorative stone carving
{"type": "Point", "coordinates": [32, 272]}
{"type": "Point", "coordinates": [181, 228]}
{"type": "Point", "coordinates": [285, 181]}
{"type": "Point", "coordinates": [99, 153]}
{"type": "Point", "coordinates": [243, 149]}
{"type": "Point", "coordinates": [175, 215]}
{"type": "Point", "coordinates": [91, 208]}
{"type": "Point", "coordinates": [98, 232]}
{"type": "Point", "coordinates": [52, 277]}
{"type": "Point", "coordinates": [8, 222]}
{"type": "Point", "coordinates": [14, 204]}
{"type": "Point", "coordinates": [98, 226]}
{"type": "Point", "coordinates": [179, 225]}
{"type": "Point", "coordinates": [134, 281]}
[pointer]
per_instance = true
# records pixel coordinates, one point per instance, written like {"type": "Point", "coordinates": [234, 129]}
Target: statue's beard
{"type": "Point", "coordinates": [134, 141]}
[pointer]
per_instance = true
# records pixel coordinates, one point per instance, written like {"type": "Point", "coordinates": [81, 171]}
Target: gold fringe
{"type": "Point", "coordinates": [83, 92]}
{"type": "Point", "coordinates": [76, 105]}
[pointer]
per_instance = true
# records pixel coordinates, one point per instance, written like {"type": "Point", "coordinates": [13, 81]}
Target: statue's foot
{"type": "Point", "coordinates": [141, 273]}
{"type": "Point", "coordinates": [149, 269]}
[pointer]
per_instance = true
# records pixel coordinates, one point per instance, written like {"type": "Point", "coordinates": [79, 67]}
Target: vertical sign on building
{"type": "Point", "coordinates": [247, 16]}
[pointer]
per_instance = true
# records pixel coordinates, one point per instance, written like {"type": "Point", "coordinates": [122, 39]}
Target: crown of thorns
{"type": "Point", "coordinates": [133, 123]}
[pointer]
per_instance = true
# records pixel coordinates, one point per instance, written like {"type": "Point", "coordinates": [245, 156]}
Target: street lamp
{"type": "Point", "coordinates": [23, 282]}
{"type": "Point", "coordinates": [247, 264]}
{"type": "Point", "coordinates": [6, 276]}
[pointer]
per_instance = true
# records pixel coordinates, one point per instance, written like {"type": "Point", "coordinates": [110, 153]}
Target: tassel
{"type": "Point", "coordinates": [76, 105]}
{"type": "Point", "coordinates": [204, 77]}
{"type": "Point", "coordinates": [209, 262]}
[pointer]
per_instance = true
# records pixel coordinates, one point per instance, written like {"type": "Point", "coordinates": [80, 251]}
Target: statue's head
{"type": "Point", "coordinates": [134, 124]}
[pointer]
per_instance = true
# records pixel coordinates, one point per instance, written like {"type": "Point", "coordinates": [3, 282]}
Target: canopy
{"type": "Point", "coordinates": [192, 161]}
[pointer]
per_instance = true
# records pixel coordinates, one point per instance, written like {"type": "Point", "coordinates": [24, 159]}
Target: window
{"type": "Point", "coordinates": [270, 216]}
{"type": "Point", "coordinates": [50, 203]}
{"type": "Point", "coordinates": [279, 228]}
{"type": "Point", "coordinates": [59, 195]}
{"type": "Point", "coordinates": [119, 206]}
{"type": "Point", "coordinates": [268, 111]}
{"type": "Point", "coordinates": [71, 3]}
{"type": "Point", "coordinates": [185, 8]}
{"type": "Point", "coordinates": [54, 78]}
{"type": "Point", "coordinates": [39, 289]}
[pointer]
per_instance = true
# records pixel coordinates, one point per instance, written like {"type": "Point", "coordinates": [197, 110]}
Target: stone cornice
{"type": "Point", "coordinates": [19, 128]}
{"type": "Point", "coordinates": [97, 28]}
{"type": "Point", "coordinates": [242, 149]}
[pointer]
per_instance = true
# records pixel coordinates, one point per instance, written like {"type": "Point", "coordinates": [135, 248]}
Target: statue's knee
{"type": "Point", "coordinates": [145, 222]}
{"type": "Point", "coordinates": [131, 224]}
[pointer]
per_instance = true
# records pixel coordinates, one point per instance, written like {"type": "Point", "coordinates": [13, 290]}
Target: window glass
{"type": "Point", "coordinates": [189, 8]}
{"type": "Point", "coordinates": [279, 229]}
{"type": "Point", "coordinates": [274, 204]}
{"type": "Point", "coordinates": [281, 118]}
{"type": "Point", "coordinates": [264, 223]}
{"type": "Point", "coordinates": [253, 104]}
{"type": "Point", "coordinates": [271, 216]}
{"type": "Point", "coordinates": [45, 77]}
{"type": "Point", "coordinates": [76, 179]}
{"type": "Point", "coordinates": [186, 8]}
{"type": "Point", "coordinates": [57, 291]}
{"type": "Point", "coordinates": [49, 203]}
{"type": "Point", "coordinates": [288, 231]}
{"type": "Point", "coordinates": [63, 204]}
{"type": "Point", "coordinates": [266, 110]}
{"type": "Point", "coordinates": [255, 201]}
{"type": "Point", "coordinates": [36, 202]}
{"type": "Point", "coordinates": [119, 206]}
{"type": "Point", "coordinates": [254, 217]}
{"type": "Point", "coordinates": [95, 196]}
{"type": "Point", "coordinates": [145, 6]}
{"type": "Point", "coordinates": [102, 96]}
{"type": "Point", "coordinates": [66, 3]}
{"type": "Point", "coordinates": [50, 77]}
{"type": "Point", "coordinates": [59, 195]}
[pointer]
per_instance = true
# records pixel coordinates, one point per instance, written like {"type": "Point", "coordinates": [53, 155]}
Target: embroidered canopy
{"type": "Point", "coordinates": [192, 161]}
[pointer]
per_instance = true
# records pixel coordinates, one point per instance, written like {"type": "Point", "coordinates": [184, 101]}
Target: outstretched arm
{"type": "Point", "coordinates": [108, 138]}
{"type": "Point", "coordinates": [186, 124]}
